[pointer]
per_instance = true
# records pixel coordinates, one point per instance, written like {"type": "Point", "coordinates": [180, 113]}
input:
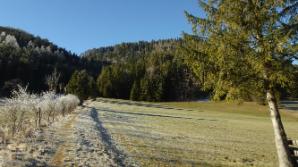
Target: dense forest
{"type": "Point", "coordinates": [147, 71]}
{"type": "Point", "coordinates": [27, 60]}
{"type": "Point", "coordinates": [140, 71]}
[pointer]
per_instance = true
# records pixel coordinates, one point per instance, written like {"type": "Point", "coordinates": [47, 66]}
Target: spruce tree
{"type": "Point", "coordinates": [246, 44]}
{"type": "Point", "coordinates": [82, 85]}
{"type": "Point", "coordinates": [135, 91]}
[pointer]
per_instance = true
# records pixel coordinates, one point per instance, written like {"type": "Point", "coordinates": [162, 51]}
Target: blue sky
{"type": "Point", "coordinates": [78, 25]}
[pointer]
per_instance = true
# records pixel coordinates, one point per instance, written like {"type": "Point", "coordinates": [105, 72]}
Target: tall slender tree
{"type": "Point", "coordinates": [82, 85]}
{"type": "Point", "coordinates": [53, 80]}
{"type": "Point", "coordinates": [245, 44]}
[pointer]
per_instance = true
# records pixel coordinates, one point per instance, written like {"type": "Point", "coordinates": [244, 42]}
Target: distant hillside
{"type": "Point", "coordinates": [148, 71]}
{"type": "Point", "coordinates": [26, 59]}
{"type": "Point", "coordinates": [125, 52]}
{"type": "Point", "coordinates": [133, 50]}
{"type": "Point", "coordinates": [140, 70]}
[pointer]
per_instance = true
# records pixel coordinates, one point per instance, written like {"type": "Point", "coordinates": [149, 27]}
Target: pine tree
{"type": "Point", "coordinates": [82, 85]}
{"type": "Point", "coordinates": [245, 45]}
{"type": "Point", "coordinates": [135, 91]}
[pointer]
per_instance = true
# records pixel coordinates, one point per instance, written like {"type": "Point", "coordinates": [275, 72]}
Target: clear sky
{"type": "Point", "coordinates": [78, 25]}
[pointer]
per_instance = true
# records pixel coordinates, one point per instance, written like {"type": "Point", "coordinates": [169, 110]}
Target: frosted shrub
{"type": "Point", "coordinates": [25, 110]}
{"type": "Point", "coordinates": [66, 104]}
{"type": "Point", "coordinates": [71, 102]}
{"type": "Point", "coordinates": [16, 110]}
{"type": "Point", "coordinates": [59, 106]}
{"type": "Point", "coordinates": [11, 113]}
{"type": "Point", "coordinates": [53, 105]}
{"type": "Point", "coordinates": [48, 105]}
{"type": "Point", "coordinates": [4, 131]}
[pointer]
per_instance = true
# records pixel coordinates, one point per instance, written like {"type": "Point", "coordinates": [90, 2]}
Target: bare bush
{"type": "Point", "coordinates": [25, 110]}
{"type": "Point", "coordinates": [47, 105]}
{"type": "Point", "coordinates": [69, 103]}
{"type": "Point", "coordinates": [16, 109]}
{"type": "Point", "coordinates": [3, 134]}
{"type": "Point", "coordinates": [53, 80]}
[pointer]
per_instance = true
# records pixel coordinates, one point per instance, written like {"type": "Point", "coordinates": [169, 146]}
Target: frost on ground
{"type": "Point", "coordinates": [78, 139]}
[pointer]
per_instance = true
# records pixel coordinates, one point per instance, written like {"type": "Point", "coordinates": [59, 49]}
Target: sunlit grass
{"type": "Point", "coordinates": [201, 134]}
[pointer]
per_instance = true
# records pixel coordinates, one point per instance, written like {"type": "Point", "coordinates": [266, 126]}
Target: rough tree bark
{"type": "Point", "coordinates": [283, 152]}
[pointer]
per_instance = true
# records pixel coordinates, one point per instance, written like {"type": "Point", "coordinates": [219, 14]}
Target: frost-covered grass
{"type": "Point", "coordinates": [24, 113]}
{"type": "Point", "coordinates": [194, 134]}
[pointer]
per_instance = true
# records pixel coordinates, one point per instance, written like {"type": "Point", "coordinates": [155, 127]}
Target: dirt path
{"type": "Point", "coordinates": [64, 133]}
{"type": "Point", "coordinates": [79, 140]}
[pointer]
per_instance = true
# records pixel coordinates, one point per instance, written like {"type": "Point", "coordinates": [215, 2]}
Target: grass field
{"type": "Point", "coordinates": [194, 133]}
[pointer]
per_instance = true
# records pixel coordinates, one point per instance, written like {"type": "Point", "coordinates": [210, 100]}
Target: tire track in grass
{"type": "Point", "coordinates": [113, 151]}
{"type": "Point", "coordinates": [78, 140]}
{"type": "Point", "coordinates": [59, 156]}
{"type": "Point", "coordinates": [82, 143]}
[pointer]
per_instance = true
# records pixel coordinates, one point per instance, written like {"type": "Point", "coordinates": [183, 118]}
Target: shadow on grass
{"type": "Point", "coordinates": [289, 102]}
{"type": "Point", "coordinates": [294, 149]}
{"type": "Point", "coordinates": [292, 108]}
{"type": "Point", "coordinates": [289, 105]}
{"type": "Point", "coordinates": [176, 162]}
{"type": "Point", "coordinates": [152, 115]}
{"type": "Point", "coordinates": [112, 150]}
{"type": "Point", "coordinates": [133, 103]}
{"type": "Point", "coordinates": [35, 163]}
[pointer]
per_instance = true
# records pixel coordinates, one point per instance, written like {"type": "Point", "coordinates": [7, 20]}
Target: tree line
{"type": "Point", "coordinates": [29, 60]}
{"type": "Point", "coordinates": [148, 71]}
{"type": "Point", "coordinates": [166, 70]}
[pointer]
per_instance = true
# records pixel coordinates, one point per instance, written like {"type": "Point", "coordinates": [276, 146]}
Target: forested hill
{"type": "Point", "coordinates": [148, 71]}
{"type": "Point", "coordinates": [139, 71]}
{"type": "Point", "coordinates": [132, 50]}
{"type": "Point", "coordinates": [27, 60]}
{"type": "Point", "coordinates": [125, 52]}
{"type": "Point", "coordinates": [157, 71]}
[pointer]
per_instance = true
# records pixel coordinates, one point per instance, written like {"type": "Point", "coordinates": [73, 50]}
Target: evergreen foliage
{"type": "Point", "coordinates": [163, 70]}
{"type": "Point", "coordinates": [239, 43]}
{"type": "Point", "coordinates": [248, 46]}
{"type": "Point", "coordinates": [151, 73]}
{"type": "Point", "coordinates": [82, 85]}
{"type": "Point", "coordinates": [27, 60]}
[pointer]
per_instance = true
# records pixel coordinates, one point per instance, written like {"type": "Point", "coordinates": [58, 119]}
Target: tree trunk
{"type": "Point", "coordinates": [283, 152]}
{"type": "Point", "coordinates": [39, 117]}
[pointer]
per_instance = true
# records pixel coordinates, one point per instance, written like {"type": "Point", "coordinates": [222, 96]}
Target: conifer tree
{"type": "Point", "coordinates": [245, 44]}
{"type": "Point", "coordinates": [82, 85]}
{"type": "Point", "coordinates": [135, 91]}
